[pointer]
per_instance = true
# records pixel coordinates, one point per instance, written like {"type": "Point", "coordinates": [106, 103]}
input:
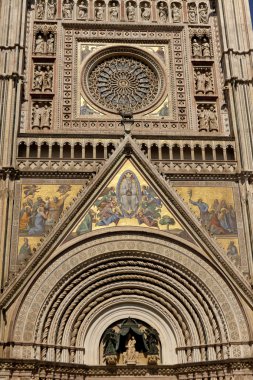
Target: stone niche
{"type": "Point", "coordinates": [130, 342]}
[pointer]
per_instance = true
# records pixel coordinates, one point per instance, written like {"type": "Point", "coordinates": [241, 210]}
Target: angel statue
{"type": "Point", "coordinates": [110, 340]}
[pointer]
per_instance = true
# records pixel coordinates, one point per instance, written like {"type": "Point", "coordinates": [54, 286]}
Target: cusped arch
{"type": "Point", "coordinates": [82, 283]}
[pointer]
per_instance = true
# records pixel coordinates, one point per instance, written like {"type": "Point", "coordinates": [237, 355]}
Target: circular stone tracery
{"type": "Point", "coordinates": [123, 83]}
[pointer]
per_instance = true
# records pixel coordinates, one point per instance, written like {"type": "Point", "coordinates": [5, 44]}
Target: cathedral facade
{"type": "Point", "coordinates": [126, 178]}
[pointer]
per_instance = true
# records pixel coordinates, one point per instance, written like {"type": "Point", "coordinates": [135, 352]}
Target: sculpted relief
{"type": "Point", "coordinates": [131, 342]}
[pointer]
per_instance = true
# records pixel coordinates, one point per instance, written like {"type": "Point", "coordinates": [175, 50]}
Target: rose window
{"type": "Point", "coordinates": [123, 83]}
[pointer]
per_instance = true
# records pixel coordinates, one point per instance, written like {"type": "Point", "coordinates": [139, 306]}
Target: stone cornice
{"type": "Point", "coordinates": [229, 365]}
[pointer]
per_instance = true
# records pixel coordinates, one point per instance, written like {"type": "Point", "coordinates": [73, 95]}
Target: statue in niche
{"type": "Point", "coordinates": [203, 13]}
{"type": "Point", "coordinates": [130, 11]}
{"type": "Point", "coordinates": [82, 10]}
{"type": "Point", "coordinates": [212, 120]}
{"type": "Point", "coordinates": [36, 117]}
{"type": "Point", "coordinates": [163, 12]}
{"type": "Point", "coordinates": [114, 12]}
{"type": "Point", "coordinates": [200, 82]}
{"type": "Point", "coordinates": [45, 117]}
{"type": "Point", "coordinates": [39, 44]}
{"type": "Point", "coordinates": [145, 12]}
{"type": "Point", "coordinates": [203, 82]}
{"type": "Point", "coordinates": [206, 48]}
{"type": "Point", "coordinates": [38, 79]}
{"type": "Point", "coordinates": [207, 119]}
{"type": "Point", "coordinates": [67, 9]}
{"type": "Point", "coordinates": [40, 10]}
{"type": "Point", "coordinates": [50, 44]}
{"type": "Point", "coordinates": [196, 49]}
{"type": "Point", "coordinates": [208, 83]}
{"type": "Point", "coordinates": [202, 117]}
{"type": "Point", "coordinates": [41, 117]}
{"type": "Point", "coordinates": [48, 79]}
{"type": "Point", "coordinates": [99, 12]}
{"type": "Point", "coordinates": [110, 341]}
{"type": "Point", "coordinates": [51, 10]}
{"type": "Point", "coordinates": [152, 341]}
{"type": "Point", "coordinates": [192, 13]}
{"type": "Point", "coordinates": [176, 12]}
{"type": "Point", "coordinates": [131, 355]}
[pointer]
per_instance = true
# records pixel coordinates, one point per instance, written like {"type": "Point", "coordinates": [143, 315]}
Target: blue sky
{"type": "Point", "coordinates": [251, 9]}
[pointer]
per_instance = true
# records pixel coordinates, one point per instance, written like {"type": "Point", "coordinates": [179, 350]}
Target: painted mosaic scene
{"type": "Point", "coordinates": [129, 201]}
{"type": "Point", "coordinates": [40, 209]}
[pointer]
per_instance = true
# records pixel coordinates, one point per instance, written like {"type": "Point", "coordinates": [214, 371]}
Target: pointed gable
{"type": "Point", "coordinates": [129, 200]}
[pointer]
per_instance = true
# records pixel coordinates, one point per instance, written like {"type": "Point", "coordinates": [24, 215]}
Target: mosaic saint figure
{"type": "Point", "coordinates": [128, 193]}
{"type": "Point", "coordinates": [25, 249]}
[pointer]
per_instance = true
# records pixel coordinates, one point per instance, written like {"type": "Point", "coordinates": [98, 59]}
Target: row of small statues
{"type": "Point", "coordinates": [207, 118]}
{"type": "Point", "coordinates": [43, 78]}
{"type": "Point", "coordinates": [195, 13]}
{"type": "Point", "coordinates": [41, 115]}
{"type": "Point", "coordinates": [44, 43]}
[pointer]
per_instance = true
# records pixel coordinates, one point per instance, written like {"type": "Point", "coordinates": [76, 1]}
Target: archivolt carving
{"type": "Point", "coordinates": [156, 272]}
{"type": "Point", "coordinates": [82, 259]}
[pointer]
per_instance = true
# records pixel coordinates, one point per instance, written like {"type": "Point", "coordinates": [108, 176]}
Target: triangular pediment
{"type": "Point", "coordinates": [128, 200]}
{"type": "Point", "coordinates": [154, 206]}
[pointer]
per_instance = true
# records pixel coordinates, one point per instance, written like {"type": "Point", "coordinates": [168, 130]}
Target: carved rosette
{"type": "Point", "coordinates": [123, 82]}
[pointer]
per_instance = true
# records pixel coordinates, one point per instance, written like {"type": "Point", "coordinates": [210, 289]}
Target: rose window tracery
{"type": "Point", "coordinates": [123, 83]}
